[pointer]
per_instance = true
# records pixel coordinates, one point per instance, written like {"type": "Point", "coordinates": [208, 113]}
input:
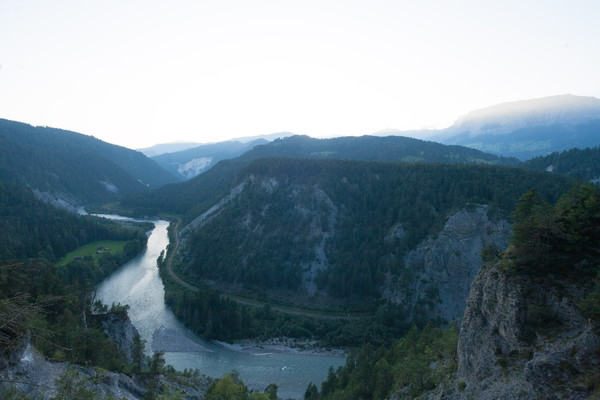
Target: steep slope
{"type": "Point", "coordinates": [30, 228]}
{"type": "Point", "coordinates": [193, 197]}
{"type": "Point", "coordinates": [188, 163]}
{"type": "Point", "coordinates": [531, 326]}
{"type": "Point", "coordinates": [530, 330]}
{"type": "Point", "coordinates": [68, 168]}
{"type": "Point", "coordinates": [35, 377]}
{"type": "Point", "coordinates": [522, 339]}
{"type": "Point", "coordinates": [345, 230]}
{"type": "Point", "coordinates": [445, 264]}
{"type": "Point", "coordinates": [581, 164]}
{"type": "Point", "coordinates": [530, 128]}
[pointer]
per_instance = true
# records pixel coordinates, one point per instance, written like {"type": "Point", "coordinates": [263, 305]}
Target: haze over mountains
{"type": "Point", "coordinates": [529, 128]}
{"type": "Point", "coordinates": [58, 164]}
{"type": "Point", "coordinates": [173, 147]}
{"type": "Point", "coordinates": [520, 129]}
{"type": "Point", "coordinates": [382, 232]}
{"type": "Point", "coordinates": [190, 197]}
{"type": "Point", "coordinates": [162, 148]}
{"type": "Point", "coordinates": [188, 163]}
{"type": "Point", "coordinates": [70, 169]}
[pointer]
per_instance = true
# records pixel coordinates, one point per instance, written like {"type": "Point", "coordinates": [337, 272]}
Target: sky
{"type": "Point", "coordinates": [138, 73]}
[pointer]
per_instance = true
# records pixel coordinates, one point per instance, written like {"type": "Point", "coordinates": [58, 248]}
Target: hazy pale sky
{"type": "Point", "coordinates": [137, 73]}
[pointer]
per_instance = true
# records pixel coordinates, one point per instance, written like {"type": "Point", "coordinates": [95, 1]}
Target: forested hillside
{"type": "Point", "coordinates": [46, 305]}
{"type": "Point", "coordinates": [531, 328]}
{"type": "Point", "coordinates": [51, 302]}
{"type": "Point", "coordinates": [30, 228]}
{"type": "Point", "coordinates": [582, 164]}
{"type": "Point", "coordinates": [188, 163]}
{"type": "Point", "coordinates": [375, 148]}
{"type": "Point", "coordinates": [195, 196]}
{"type": "Point", "coordinates": [340, 228]}
{"type": "Point", "coordinates": [71, 169]}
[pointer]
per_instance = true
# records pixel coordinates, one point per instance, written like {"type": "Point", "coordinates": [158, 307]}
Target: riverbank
{"type": "Point", "coordinates": [288, 365]}
{"type": "Point", "coordinates": [282, 346]}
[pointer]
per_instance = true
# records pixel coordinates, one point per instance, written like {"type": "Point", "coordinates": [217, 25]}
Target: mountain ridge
{"type": "Point", "coordinates": [193, 197]}
{"type": "Point", "coordinates": [188, 163]}
{"type": "Point", "coordinates": [71, 167]}
{"type": "Point", "coordinates": [528, 128]}
{"type": "Point", "coordinates": [291, 224]}
{"type": "Point", "coordinates": [559, 109]}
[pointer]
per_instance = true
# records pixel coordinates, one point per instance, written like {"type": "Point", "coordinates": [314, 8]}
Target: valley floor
{"type": "Point", "coordinates": [282, 345]}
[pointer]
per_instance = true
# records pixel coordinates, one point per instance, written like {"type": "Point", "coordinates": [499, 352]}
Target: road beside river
{"type": "Point", "coordinates": [138, 284]}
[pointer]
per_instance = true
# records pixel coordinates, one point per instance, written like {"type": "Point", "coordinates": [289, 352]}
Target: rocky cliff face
{"type": "Point", "coordinates": [445, 265]}
{"type": "Point", "coordinates": [30, 374]}
{"type": "Point", "coordinates": [121, 331]}
{"type": "Point", "coordinates": [524, 338]}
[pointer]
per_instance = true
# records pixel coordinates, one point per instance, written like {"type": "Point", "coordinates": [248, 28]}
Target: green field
{"type": "Point", "coordinates": [92, 249]}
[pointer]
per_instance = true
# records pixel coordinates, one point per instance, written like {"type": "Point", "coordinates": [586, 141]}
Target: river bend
{"type": "Point", "coordinates": [139, 285]}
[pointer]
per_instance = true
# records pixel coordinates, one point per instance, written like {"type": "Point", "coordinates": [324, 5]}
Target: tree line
{"type": "Point", "coordinates": [265, 238]}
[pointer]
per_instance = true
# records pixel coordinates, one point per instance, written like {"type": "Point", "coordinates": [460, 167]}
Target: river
{"type": "Point", "coordinates": [139, 285]}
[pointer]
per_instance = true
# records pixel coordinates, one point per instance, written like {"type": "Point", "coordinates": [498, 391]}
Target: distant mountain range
{"type": "Point", "coordinates": [185, 160]}
{"type": "Point", "coordinates": [521, 129]}
{"type": "Point", "coordinates": [174, 147]}
{"type": "Point", "coordinates": [163, 148]}
{"type": "Point", "coordinates": [193, 196]}
{"type": "Point", "coordinates": [186, 164]}
{"type": "Point", "coordinates": [69, 169]}
{"type": "Point", "coordinates": [529, 128]}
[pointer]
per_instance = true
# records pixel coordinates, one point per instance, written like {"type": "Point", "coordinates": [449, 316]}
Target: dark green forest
{"type": "Point", "coordinates": [78, 167]}
{"type": "Point", "coordinates": [54, 305]}
{"type": "Point", "coordinates": [212, 316]}
{"type": "Point", "coordinates": [552, 242]}
{"type": "Point", "coordinates": [370, 198]}
{"type": "Point", "coordinates": [193, 197]}
{"type": "Point", "coordinates": [343, 196]}
{"type": "Point", "coordinates": [30, 228]}
{"type": "Point", "coordinates": [581, 164]}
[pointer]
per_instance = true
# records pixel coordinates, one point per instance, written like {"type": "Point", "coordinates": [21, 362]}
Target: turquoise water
{"type": "Point", "coordinates": [138, 284]}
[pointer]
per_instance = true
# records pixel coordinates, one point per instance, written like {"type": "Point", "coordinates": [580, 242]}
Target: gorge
{"type": "Point", "coordinates": [138, 285]}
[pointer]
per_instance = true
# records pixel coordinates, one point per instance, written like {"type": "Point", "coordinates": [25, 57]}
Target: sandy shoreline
{"type": "Point", "coordinates": [282, 345]}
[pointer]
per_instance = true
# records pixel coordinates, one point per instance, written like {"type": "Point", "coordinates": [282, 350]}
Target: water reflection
{"type": "Point", "coordinates": [138, 284]}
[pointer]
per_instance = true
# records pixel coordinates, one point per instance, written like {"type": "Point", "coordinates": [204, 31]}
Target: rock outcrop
{"type": "Point", "coordinates": [31, 375]}
{"type": "Point", "coordinates": [121, 331]}
{"type": "Point", "coordinates": [28, 372]}
{"type": "Point", "coordinates": [523, 337]}
{"type": "Point", "coordinates": [445, 265]}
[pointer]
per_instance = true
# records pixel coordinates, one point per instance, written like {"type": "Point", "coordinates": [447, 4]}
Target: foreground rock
{"type": "Point", "coordinates": [523, 337]}
{"type": "Point", "coordinates": [30, 374]}
{"type": "Point", "coordinates": [120, 330]}
{"type": "Point", "coordinates": [27, 372]}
